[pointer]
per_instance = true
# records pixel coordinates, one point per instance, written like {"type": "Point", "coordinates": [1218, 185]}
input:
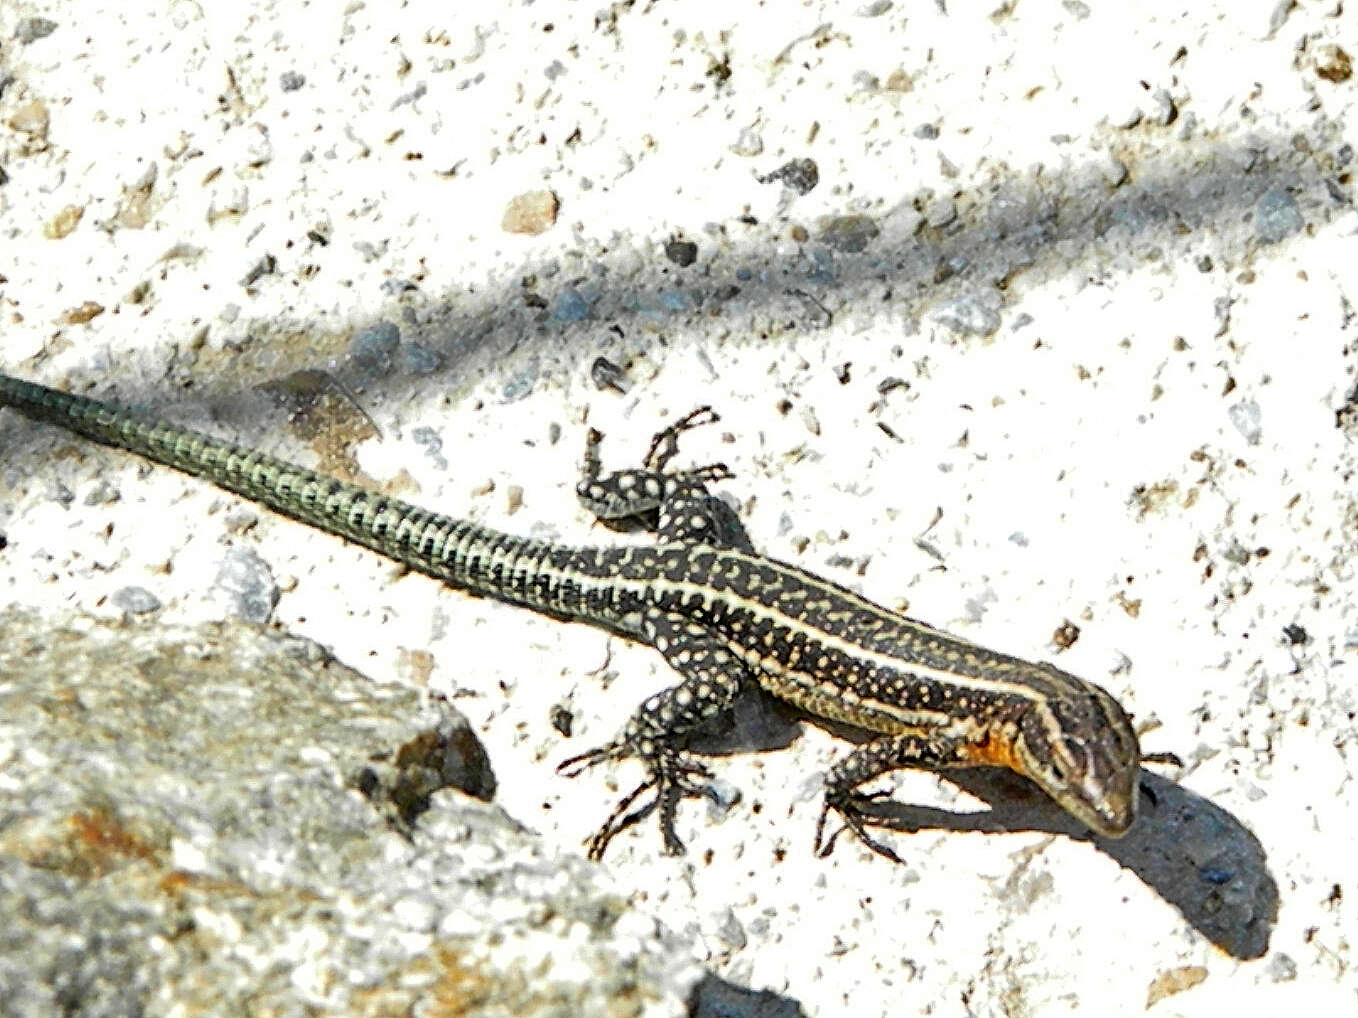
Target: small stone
{"type": "Point", "coordinates": [103, 493]}
{"type": "Point", "coordinates": [521, 385]}
{"type": "Point", "coordinates": [570, 307]}
{"type": "Point", "coordinates": [1221, 311]}
{"type": "Point", "coordinates": [1276, 215]}
{"type": "Point", "coordinates": [1113, 170]}
{"type": "Point", "coordinates": [32, 29]}
{"type": "Point", "coordinates": [530, 213]}
{"type": "Point", "coordinates": [135, 600]}
{"type": "Point", "coordinates": [972, 315]}
{"type": "Point", "coordinates": [607, 375]}
{"type": "Point", "coordinates": [800, 175]}
{"type": "Point", "coordinates": [1278, 16]}
{"type": "Point", "coordinates": [245, 583]}
{"type": "Point", "coordinates": [940, 212]}
{"type": "Point", "coordinates": [396, 286]}
{"type": "Point", "coordinates": [1164, 111]}
{"type": "Point", "coordinates": [749, 143]}
{"type": "Point", "coordinates": [63, 222]}
{"type": "Point", "coordinates": [1282, 969]}
{"type": "Point", "coordinates": [375, 347]}
{"type": "Point", "coordinates": [681, 252]}
{"type": "Point", "coordinates": [866, 81]}
{"type": "Point", "coordinates": [899, 82]}
{"type": "Point", "coordinates": [1246, 418]}
{"type": "Point", "coordinates": [31, 119]}
{"type": "Point", "coordinates": [291, 81]}
{"type": "Point", "coordinates": [418, 359]}
{"type": "Point", "coordinates": [675, 300]}
{"type": "Point", "coordinates": [83, 314]}
{"type": "Point", "coordinates": [1126, 116]}
{"type": "Point", "coordinates": [1333, 64]}
{"type": "Point", "coordinates": [847, 233]}
{"type": "Point", "coordinates": [266, 266]}
{"type": "Point", "coordinates": [562, 719]}
{"type": "Point", "coordinates": [429, 440]}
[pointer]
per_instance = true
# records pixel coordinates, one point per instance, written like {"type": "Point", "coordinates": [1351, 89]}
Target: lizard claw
{"type": "Point", "coordinates": [673, 775]}
{"type": "Point", "coordinates": [574, 766]}
{"type": "Point", "coordinates": [851, 808]}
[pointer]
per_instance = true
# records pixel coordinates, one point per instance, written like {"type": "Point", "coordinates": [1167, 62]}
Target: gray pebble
{"type": "Point", "coordinates": [418, 359]}
{"type": "Point", "coordinates": [848, 233]}
{"type": "Point", "coordinates": [1276, 215]}
{"type": "Point", "coordinates": [521, 384]}
{"type": "Point", "coordinates": [32, 29]}
{"type": "Point", "coordinates": [429, 440]}
{"type": "Point", "coordinates": [940, 212]}
{"type": "Point", "coordinates": [675, 300]}
{"type": "Point", "coordinates": [681, 252]}
{"type": "Point", "coordinates": [972, 315]}
{"type": "Point", "coordinates": [749, 143]}
{"type": "Point", "coordinates": [246, 586]}
{"type": "Point", "coordinates": [375, 346]}
{"type": "Point", "coordinates": [570, 307]}
{"type": "Point", "coordinates": [1246, 417]}
{"type": "Point", "coordinates": [135, 600]}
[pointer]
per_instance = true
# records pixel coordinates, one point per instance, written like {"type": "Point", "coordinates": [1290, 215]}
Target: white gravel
{"type": "Point", "coordinates": [1106, 253]}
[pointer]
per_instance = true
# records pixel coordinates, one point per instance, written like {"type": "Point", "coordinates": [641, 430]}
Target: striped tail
{"type": "Point", "coordinates": [462, 554]}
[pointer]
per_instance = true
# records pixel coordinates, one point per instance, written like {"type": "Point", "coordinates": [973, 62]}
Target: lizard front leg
{"type": "Point", "coordinates": [925, 751]}
{"type": "Point", "coordinates": [674, 503]}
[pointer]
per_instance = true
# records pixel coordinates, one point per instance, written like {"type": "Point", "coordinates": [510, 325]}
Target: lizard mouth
{"type": "Point", "coordinates": [1104, 811]}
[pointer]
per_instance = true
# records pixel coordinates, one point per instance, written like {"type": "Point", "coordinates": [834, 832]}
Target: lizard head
{"type": "Point", "coordinates": [1080, 748]}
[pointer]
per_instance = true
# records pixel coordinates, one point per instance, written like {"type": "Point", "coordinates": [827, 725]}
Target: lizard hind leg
{"type": "Point", "coordinates": [656, 733]}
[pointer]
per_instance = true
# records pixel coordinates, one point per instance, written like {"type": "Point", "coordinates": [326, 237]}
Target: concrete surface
{"type": "Point", "coordinates": [1064, 333]}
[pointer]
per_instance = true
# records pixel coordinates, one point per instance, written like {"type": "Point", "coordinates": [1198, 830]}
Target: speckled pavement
{"type": "Point", "coordinates": [1036, 319]}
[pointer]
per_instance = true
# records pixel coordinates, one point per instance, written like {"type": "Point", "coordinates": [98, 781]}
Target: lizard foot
{"type": "Point", "coordinates": [674, 776]}
{"type": "Point", "coordinates": [855, 810]}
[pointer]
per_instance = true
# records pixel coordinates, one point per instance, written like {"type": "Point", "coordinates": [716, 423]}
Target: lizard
{"type": "Point", "coordinates": [720, 614]}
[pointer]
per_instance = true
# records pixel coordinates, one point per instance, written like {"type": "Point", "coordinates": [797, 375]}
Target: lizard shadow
{"type": "Point", "coordinates": [1193, 853]}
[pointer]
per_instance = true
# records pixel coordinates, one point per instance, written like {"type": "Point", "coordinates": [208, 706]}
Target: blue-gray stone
{"type": "Point", "coordinates": [375, 346]}
{"type": "Point", "coordinates": [1276, 216]}
{"type": "Point", "coordinates": [245, 583]}
{"type": "Point", "coordinates": [135, 600]}
{"type": "Point", "coordinates": [571, 307]}
{"type": "Point", "coordinates": [418, 359]}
